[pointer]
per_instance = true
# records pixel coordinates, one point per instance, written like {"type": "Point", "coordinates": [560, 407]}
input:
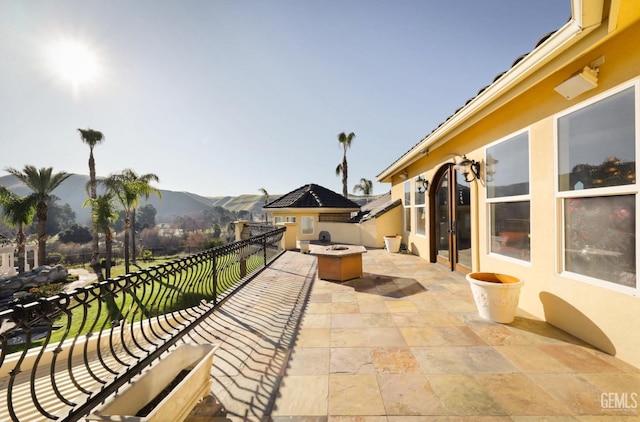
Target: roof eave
{"type": "Point", "coordinates": [584, 12]}
{"type": "Point", "coordinates": [312, 209]}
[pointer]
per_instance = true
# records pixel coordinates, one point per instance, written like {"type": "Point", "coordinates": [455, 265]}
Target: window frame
{"type": "Point", "coordinates": [407, 203]}
{"type": "Point", "coordinates": [416, 206]}
{"type": "Point", "coordinates": [626, 189]}
{"type": "Point", "coordinates": [508, 199]}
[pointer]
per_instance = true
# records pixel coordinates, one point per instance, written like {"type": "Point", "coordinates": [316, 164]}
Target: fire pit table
{"type": "Point", "coordinates": [339, 262]}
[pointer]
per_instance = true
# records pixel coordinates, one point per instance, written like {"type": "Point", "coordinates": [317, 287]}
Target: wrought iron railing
{"type": "Point", "coordinates": [256, 229]}
{"type": "Point", "coordinates": [63, 355]}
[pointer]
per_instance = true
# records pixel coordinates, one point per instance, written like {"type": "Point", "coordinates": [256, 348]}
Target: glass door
{"type": "Point", "coordinates": [451, 220]}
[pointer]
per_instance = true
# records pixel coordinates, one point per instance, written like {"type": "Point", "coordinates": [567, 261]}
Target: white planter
{"type": "Point", "coordinates": [392, 243]}
{"type": "Point", "coordinates": [178, 403]}
{"type": "Point", "coordinates": [304, 246]}
{"type": "Point", "coordinates": [496, 295]}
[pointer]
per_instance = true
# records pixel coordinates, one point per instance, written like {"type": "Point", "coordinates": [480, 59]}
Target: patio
{"type": "Point", "coordinates": [402, 343]}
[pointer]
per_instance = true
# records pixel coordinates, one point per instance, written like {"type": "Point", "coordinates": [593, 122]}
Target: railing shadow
{"type": "Point", "coordinates": [256, 329]}
{"type": "Point", "coordinates": [115, 328]}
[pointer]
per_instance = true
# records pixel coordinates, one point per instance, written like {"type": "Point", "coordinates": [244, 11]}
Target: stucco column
{"type": "Point", "coordinates": [239, 228]}
{"type": "Point", "coordinates": [290, 235]}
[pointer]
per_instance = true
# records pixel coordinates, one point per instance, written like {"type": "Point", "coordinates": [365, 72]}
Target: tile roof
{"type": "Point", "coordinates": [312, 196]}
{"type": "Point", "coordinates": [518, 59]}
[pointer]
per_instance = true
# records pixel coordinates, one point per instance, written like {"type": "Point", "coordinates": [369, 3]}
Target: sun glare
{"type": "Point", "coordinates": [73, 62]}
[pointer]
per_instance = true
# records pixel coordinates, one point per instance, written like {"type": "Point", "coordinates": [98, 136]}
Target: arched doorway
{"type": "Point", "coordinates": [450, 217]}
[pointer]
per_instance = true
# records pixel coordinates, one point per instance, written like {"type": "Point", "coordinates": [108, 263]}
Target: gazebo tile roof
{"type": "Point", "coordinates": [312, 196]}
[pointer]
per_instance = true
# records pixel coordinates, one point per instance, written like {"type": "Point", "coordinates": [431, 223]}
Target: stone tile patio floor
{"type": "Point", "coordinates": [402, 343]}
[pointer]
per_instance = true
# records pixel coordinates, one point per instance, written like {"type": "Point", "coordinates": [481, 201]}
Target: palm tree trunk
{"type": "Point", "coordinates": [108, 251]}
{"type": "Point", "coordinates": [92, 192]}
{"type": "Point", "coordinates": [345, 190]}
{"type": "Point", "coordinates": [20, 241]}
{"type": "Point", "coordinates": [42, 237]}
{"type": "Point", "coordinates": [133, 236]}
{"type": "Point", "coordinates": [127, 230]}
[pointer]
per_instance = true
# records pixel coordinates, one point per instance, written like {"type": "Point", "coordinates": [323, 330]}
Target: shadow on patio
{"type": "Point", "coordinates": [403, 341]}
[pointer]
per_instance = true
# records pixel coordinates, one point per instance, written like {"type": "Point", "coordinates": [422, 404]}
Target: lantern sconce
{"type": "Point", "coordinates": [422, 184]}
{"type": "Point", "coordinates": [469, 168]}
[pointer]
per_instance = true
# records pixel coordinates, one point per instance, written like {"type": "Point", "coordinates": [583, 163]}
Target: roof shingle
{"type": "Point", "coordinates": [312, 196]}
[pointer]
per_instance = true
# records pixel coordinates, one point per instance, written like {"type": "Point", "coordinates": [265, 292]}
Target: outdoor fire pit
{"type": "Point", "coordinates": [339, 262]}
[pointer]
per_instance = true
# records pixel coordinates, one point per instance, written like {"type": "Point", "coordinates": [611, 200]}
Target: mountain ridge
{"type": "Point", "coordinates": [172, 204]}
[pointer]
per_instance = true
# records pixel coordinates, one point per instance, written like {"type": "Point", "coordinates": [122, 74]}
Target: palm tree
{"type": "Point", "coordinates": [345, 141]}
{"type": "Point", "coordinates": [145, 190]}
{"type": "Point", "coordinates": [104, 213]}
{"type": "Point", "coordinates": [42, 182]}
{"type": "Point", "coordinates": [18, 212]}
{"type": "Point", "coordinates": [365, 186]}
{"type": "Point", "coordinates": [265, 194]}
{"type": "Point", "coordinates": [92, 138]}
{"type": "Point", "coordinates": [128, 188]}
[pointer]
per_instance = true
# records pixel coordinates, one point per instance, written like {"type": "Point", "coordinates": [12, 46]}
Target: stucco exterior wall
{"type": "Point", "coordinates": [297, 227]}
{"type": "Point", "coordinates": [369, 233]}
{"type": "Point", "coordinates": [599, 315]}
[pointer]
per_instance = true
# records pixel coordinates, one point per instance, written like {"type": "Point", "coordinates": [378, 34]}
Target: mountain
{"type": "Point", "coordinates": [72, 191]}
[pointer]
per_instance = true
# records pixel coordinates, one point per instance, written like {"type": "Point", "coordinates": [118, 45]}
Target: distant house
{"type": "Point", "coordinates": [307, 207]}
{"type": "Point", "coordinates": [317, 213]}
{"type": "Point", "coordinates": [535, 176]}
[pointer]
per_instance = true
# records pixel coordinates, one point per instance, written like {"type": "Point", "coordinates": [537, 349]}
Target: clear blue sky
{"type": "Point", "coordinates": [224, 97]}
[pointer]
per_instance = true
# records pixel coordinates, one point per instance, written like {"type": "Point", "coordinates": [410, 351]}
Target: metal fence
{"type": "Point", "coordinates": [63, 355]}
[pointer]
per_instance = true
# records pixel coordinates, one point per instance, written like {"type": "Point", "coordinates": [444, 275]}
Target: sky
{"type": "Point", "coordinates": [225, 97]}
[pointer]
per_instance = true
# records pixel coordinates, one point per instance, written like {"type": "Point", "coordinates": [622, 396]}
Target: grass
{"type": "Point", "coordinates": [148, 299]}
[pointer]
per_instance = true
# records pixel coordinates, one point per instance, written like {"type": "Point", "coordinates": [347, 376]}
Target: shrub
{"type": "Point", "coordinates": [47, 290]}
{"type": "Point", "coordinates": [55, 258]}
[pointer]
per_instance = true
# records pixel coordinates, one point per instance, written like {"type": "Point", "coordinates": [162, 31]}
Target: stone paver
{"type": "Point", "coordinates": [403, 343]}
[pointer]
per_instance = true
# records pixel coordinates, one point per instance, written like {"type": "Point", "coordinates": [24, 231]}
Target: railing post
{"type": "Point", "coordinates": [214, 277]}
{"type": "Point", "coordinates": [264, 248]}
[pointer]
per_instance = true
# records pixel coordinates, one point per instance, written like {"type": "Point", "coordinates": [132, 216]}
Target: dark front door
{"type": "Point", "coordinates": [451, 220]}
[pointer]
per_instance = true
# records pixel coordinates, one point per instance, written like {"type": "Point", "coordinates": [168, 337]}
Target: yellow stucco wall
{"type": "Point", "coordinates": [297, 227]}
{"type": "Point", "coordinates": [369, 233]}
{"type": "Point", "coordinates": [605, 318]}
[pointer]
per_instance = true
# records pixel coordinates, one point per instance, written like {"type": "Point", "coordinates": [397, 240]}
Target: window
{"type": "Point", "coordinates": [307, 225]}
{"type": "Point", "coordinates": [278, 219]}
{"type": "Point", "coordinates": [507, 182]}
{"type": "Point", "coordinates": [421, 216]}
{"type": "Point", "coordinates": [597, 191]}
{"type": "Point", "coordinates": [290, 219]}
{"type": "Point", "coordinates": [282, 219]}
{"type": "Point", "coordinates": [407, 206]}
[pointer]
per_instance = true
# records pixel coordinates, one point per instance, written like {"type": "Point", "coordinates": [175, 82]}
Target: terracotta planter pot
{"type": "Point", "coordinates": [496, 295]}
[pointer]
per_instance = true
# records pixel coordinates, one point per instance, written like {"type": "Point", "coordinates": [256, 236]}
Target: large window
{"type": "Point", "coordinates": [507, 182]}
{"type": "Point", "coordinates": [407, 206]}
{"type": "Point", "coordinates": [597, 190]}
{"type": "Point", "coordinates": [421, 214]}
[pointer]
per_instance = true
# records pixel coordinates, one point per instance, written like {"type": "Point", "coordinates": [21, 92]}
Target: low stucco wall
{"type": "Point", "coordinates": [369, 233]}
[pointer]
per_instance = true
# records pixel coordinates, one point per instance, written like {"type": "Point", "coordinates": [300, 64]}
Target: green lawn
{"type": "Point", "coordinates": [147, 299]}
